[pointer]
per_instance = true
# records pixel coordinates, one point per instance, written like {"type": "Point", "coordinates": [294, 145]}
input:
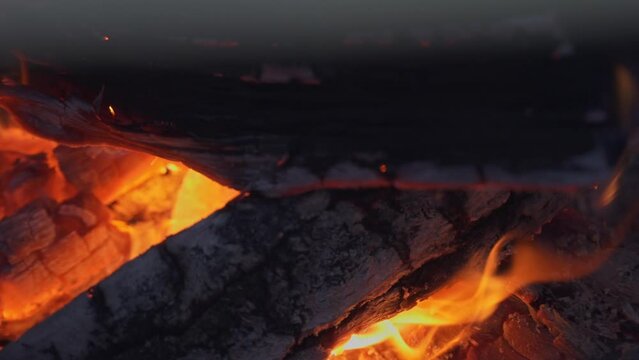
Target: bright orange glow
{"type": "Point", "coordinates": [199, 197]}
{"type": "Point", "coordinates": [14, 139]}
{"type": "Point", "coordinates": [111, 110]}
{"type": "Point", "coordinates": [135, 201]}
{"type": "Point", "coordinates": [21, 150]}
{"type": "Point", "coordinates": [611, 191]}
{"type": "Point", "coordinates": [179, 196]}
{"type": "Point", "coordinates": [440, 322]}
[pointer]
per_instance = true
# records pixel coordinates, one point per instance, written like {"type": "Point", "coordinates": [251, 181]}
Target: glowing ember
{"type": "Point", "coordinates": [610, 192]}
{"type": "Point", "coordinates": [75, 215]}
{"type": "Point", "coordinates": [199, 196]}
{"type": "Point", "coordinates": [445, 319]}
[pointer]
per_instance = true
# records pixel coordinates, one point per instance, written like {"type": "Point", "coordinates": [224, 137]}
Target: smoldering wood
{"type": "Point", "coordinates": [285, 278]}
{"type": "Point", "coordinates": [50, 252]}
{"type": "Point", "coordinates": [479, 122]}
{"type": "Point", "coordinates": [101, 170]}
{"type": "Point", "coordinates": [23, 179]}
{"type": "Point", "coordinates": [594, 317]}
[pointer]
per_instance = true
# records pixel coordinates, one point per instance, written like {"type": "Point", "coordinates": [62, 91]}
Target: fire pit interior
{"type": "Point", "coordinates": [378, 182]}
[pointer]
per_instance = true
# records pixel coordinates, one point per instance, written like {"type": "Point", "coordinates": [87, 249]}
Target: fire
{"type": "Point", "coordinates": [611, 190]}
{"type": "Point", "coordinates": [189, 207]}
{"type": "Point", "coordinates": [83, 212]}
{"type": "Point", "coordinates": [447, 317]}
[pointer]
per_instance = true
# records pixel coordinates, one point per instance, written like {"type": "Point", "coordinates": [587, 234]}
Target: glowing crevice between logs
{"type": "Point", "coordinates": [70, 216]}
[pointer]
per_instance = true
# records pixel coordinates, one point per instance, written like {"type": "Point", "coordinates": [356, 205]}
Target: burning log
{"type": "Point", "coordinates": [16, 140]}
{"type": "Point", "coordinates": [145, 211]}
{"type": "Point", "coordinates": [292, 278]}
{"type": "Point", "coordinates": [24, 178]}
{"type": "Point", "coordinates": [106, 172]}
{"type": "Point", "coordinates": [285, 278]}
{"type": "Point", "coordinates": [54, 251]}
{"type": "Point", "coordinates": [356, 130]}
{"type": "Point", "coordinates": [525, 338]}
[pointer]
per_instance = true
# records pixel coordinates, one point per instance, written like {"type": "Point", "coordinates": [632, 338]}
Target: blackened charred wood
{"type": "Point", "coordinates": [285, 278]}
{"type": "Point", "coordinates": [25, 178]}
{"type": "Point", "coordinates": [385, 125]}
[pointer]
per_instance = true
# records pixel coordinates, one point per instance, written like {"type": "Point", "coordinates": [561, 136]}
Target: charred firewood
{"type": "Point", "coordinates": [24, 179]}
{"type": "Point", "coordinates": [54, 251]}
{"type": "Point", "coordinates": [359, 129]}
{"type": "Point", "coordinates": [106, 172]}
{"type": "Point", "coordinates": [29, 230]}
{"type": "Point", "coordinates": [283, 278]}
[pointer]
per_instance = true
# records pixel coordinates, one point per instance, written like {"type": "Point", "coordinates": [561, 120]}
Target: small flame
{"type": "Point", "coordinates": [610, 192]}
{"type": "Point", "coordinates": [440, 322]}
{"type": "Point", "coordinates": [111, 110]}
{"type": "Point", "coordinates": [170, 168]}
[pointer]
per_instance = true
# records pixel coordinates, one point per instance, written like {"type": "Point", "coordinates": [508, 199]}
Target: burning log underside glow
{"type": "Point", "coordinates": [71, 216]}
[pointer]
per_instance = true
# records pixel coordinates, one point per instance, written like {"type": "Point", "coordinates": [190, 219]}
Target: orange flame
{"type": "Point", "coordinates": [612, 189]}
{"type": "Point", "coordinates": [440, 322]}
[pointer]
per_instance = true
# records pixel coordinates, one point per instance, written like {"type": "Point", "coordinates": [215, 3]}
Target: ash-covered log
{"type": "Point", "coordinates": [282, 278]}
{"type": "Point", "coordinates": [104, 171]}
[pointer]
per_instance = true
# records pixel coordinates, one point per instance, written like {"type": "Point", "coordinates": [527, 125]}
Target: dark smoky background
{"type": "Point", "coordinates": [184, 33]}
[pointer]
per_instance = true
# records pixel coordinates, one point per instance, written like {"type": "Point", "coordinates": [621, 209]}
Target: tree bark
{"type": "Point", "coordinates": [284, 278]}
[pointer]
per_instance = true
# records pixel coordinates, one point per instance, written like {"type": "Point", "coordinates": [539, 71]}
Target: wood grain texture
{"type": "Point", "coordinates": [281, 278]}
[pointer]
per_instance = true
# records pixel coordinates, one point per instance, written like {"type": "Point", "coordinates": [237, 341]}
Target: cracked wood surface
{"type": "Point", "coordinates": [285, 278]}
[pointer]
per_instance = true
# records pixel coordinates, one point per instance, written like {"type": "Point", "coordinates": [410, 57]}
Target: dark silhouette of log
{"type": "Point", "coordinates": [23, 179]}
{"type": "Point", "coordinates": [400, 123]}
{"type": "Point", "coordinates": [282, 278]}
